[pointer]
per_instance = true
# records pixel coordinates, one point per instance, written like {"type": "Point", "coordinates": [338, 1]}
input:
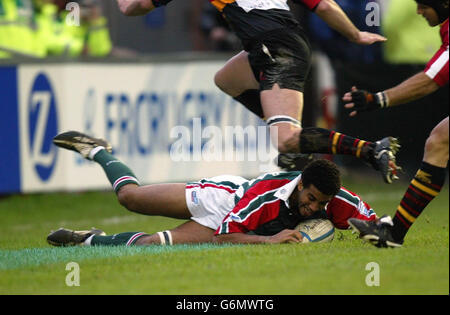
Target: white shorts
{"type": "Point", "coordinates": [211, 199]}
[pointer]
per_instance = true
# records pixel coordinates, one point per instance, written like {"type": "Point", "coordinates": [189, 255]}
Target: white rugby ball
{"type": "Point", "coordinates": [316, 230]}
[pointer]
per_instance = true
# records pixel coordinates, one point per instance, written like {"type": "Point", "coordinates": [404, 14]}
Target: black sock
{"type": "Point", "coordinates": [425, 186]}
{"type": "Point", "coordinates": [251, 99]}
{"type": "Point", "coordinates": [323, 141]}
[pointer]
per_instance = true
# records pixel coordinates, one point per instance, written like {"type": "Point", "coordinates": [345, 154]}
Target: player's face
{"type": "Point", "coordinates": [311, 200]}
{"type": "Point", "coordinates": [428, 13]}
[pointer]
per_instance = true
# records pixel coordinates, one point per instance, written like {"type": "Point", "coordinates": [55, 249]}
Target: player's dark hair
{"type": "Point", "coordinates": [440, 6]}
{"type": "Point", "coordinates": [324, 175]}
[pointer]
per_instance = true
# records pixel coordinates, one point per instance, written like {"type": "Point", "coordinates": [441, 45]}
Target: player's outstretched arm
{"type": "Point", "coordinates": [416, 87]}
{"type": "Point", "coordinates": [135, 7]}
{"type": "Point", "coordinates": [285, 236]}
{"type": "Point", "coordinates": [335, 17]}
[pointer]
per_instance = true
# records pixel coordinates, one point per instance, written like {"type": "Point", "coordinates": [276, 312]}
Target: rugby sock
{"type": "Point", "coordinates": [118, 173]}
{"type": "Point", "coordinates": [128, 239]}
{"type": "Point", "coordinates": [323, 141]}
{"type": "Point", "coordinates": [252, 101]}
{"type": "Point", "coordinates": [426, 185]}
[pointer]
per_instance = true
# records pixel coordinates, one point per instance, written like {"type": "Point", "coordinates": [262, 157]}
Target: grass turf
{"type": "Point", "coordinates": [29, 266]}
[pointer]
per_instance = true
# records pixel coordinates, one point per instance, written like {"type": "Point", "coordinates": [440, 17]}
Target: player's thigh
{"type": "Point", "coordinates": [284, 60]}
{"type": "Point", "coordinates": [167, 200]}
{"type": "Point", "coordinates": [436, 147]}
{"type": "Point", "coordinates": [236, 76]}
{"type": "Point", "coordinates": [442, 130]}
{"type": "Point", "coordinates": [192, 232]}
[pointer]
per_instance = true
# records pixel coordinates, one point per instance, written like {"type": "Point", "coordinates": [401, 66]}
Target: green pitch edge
{"type": "Point", "coordinates": [30, 257]}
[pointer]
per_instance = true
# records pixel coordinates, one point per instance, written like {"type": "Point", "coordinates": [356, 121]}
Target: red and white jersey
{"type": "Point", "coordinates": [262, 205]}
{"type": "Point", "coordinates": [437, 67]}
{"type": "Point", "coordinates": [346, 205]}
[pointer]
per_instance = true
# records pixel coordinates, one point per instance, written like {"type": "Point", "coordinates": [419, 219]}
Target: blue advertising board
{"type": "Point", "coordinates": [9, 131]}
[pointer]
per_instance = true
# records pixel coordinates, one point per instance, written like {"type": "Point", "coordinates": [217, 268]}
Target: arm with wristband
{"type": "Point", "coordinates": [414, 88]}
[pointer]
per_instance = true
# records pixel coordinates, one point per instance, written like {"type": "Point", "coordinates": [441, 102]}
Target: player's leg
{"type": "Point", "coordinates": [426, 184]}
{"type": "Point", "coordinates": [283, 108]}
{"type": "Point", "coordinates": [238, 80]}
{"type": "Point", "coordinates": [210, 200]}
{"type": "Point", "coordinates": [188, 233]}
{"type": "Point", "coordinates": [162, 199]}
{"type": "Point", "coordinates": [165, 200]}
{"type": "Point", "coordinates": [436, 147]}
{"type": "Point", "coordinates": [284, 61]}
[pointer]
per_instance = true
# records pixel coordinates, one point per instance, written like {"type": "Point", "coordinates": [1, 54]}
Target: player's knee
{"type": "Point", "coordinates": [437, 141]}
{"type": "Point", "coordinates": [126, 198]}
{"type": "Point", "coordinates": [154, 239]}
{"type": "Point", "coordinates": [219, 80]}
{"type": "Point", "coordinates": [283, 147]}
{"type": "Point", "coordinates": [288, 141]}
{"type": "Point", "coordinates": [163, 238]}
{"type": "Point", "coordinates": [226, 85]}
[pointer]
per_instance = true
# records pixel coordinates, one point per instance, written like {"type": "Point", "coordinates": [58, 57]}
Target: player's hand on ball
{"type": "Point", "coordinates": [361, 101]}
{"type": "Point", "coordinates": [286, 236]}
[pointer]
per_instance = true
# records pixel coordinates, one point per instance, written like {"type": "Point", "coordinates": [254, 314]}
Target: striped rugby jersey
{"type": "Point", "coordinates": [262, 206]}
{"type": "Point", "coordinates": [251, 19]}
{"type": "Point", "coordinates": [437, 67]}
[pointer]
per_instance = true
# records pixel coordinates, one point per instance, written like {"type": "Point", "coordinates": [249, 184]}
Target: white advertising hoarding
{"type": "Point", "coordinates": [168, 122]}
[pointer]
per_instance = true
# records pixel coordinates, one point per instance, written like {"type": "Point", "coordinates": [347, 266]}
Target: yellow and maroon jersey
{"type": "Point", "coordinates": [252, 18]}
{"type": "Point", "coordinates": [249, 5]}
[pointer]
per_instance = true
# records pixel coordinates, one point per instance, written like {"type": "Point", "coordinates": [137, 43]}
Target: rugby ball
{"type": "Point", "coordinates": [316, 231]}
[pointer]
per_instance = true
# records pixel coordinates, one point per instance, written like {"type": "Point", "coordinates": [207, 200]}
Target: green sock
{"type": "Point", "coordinates": [127, 238]}
{"type": "Point", "coordinates": [118, 173]}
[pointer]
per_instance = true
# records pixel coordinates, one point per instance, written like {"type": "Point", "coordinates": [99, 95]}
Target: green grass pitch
{"type": "Point", "coordinates": [29, 266]}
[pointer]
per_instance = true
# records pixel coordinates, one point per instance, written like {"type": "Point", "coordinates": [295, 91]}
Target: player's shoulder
{"type": "Point", "coordinates": [348, 196]}
{"type": "Point", "coordinates": [280, 175]}
{"type": "Point", "coordinates": [270, 182]}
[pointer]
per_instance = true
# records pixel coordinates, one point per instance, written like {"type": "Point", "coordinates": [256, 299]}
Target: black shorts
{"type": "Point", "coordinates": [281, 57]}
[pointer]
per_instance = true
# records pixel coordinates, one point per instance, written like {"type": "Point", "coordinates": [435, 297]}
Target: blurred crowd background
{"type": "Point", "coordinates": [39, 30]}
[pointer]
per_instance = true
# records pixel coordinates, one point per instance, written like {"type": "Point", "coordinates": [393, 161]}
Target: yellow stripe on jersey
{"type": "Point", "coordinates": [220, 4]}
